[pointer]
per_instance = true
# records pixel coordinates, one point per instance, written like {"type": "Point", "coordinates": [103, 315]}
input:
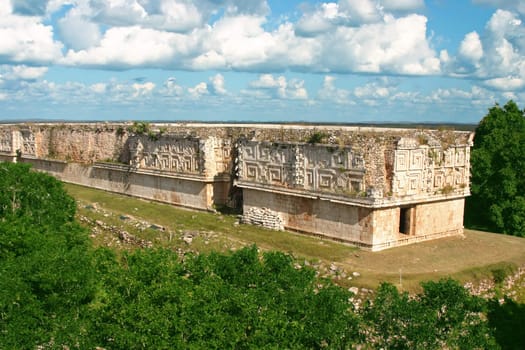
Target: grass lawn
{"type": "Point", "coordinates": [468, 258]}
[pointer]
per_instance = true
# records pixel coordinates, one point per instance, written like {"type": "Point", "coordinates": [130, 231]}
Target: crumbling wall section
{"type": "Point", "coordinates": [426, 167]}
{"type": "Point", "coordinates": [6, 141]}
{"type": "Point", "coordinates": [82, 143]}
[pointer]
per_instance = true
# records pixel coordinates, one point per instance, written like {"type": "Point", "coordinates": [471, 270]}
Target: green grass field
{"type": "Point", "coordinates": [471, 258]}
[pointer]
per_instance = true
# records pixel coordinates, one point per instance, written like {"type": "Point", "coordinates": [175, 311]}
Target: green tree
{"type": "Point", "coordinates": [508, 321]}
{"type": "Point", "coordinates": [45, 277]}
{"type": "Point", "coordinates": [150, 299]}
{"type": "Point", "coordinates": [498, 167]}
{"type": "Point", "coordinates": [36, 197]}
{"type": "Point", "coordinates": [443, 316]}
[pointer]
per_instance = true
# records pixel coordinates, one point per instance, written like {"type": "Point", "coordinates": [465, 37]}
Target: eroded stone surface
{"type": "Point", "coordinates": [374, 187]}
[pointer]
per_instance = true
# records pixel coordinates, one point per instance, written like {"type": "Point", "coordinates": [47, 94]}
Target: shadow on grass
{"type": "Point", "coordinates": [508, 320]}
{"type": "Point", "coordinates": [225, 210]}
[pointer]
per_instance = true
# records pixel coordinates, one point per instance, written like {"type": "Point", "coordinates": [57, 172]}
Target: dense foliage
{"type": "Point", "coordinates": [45, 273]}
{"type": "Point", "coordinates": [215, 301]}
{"type": "Point", "coordinates": [443, 316]}
{"type": "Point", "coordinates": [57, 292]}
{"type": "Point", "coordinates": [498, 167]}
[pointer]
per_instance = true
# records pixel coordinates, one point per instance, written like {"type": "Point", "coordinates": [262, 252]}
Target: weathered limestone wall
{"type": "Point", "coordinates": [181, 154]}
{"type": "Point", "coordinates": [77, 143]}
{"type": "Point", "coordinates": [374, 187]}
{"type": "Point", "coordinates": [439, 217]}
{"type": "Point", "coordinates": [335, 220]}
{"type": "Point", "coordinates": [7, 158]}
{"type": "Point", "coordinates": [426, 221]}
{"type": "Point", "coordinates": [190, 193]}
{"type": "Point", "coordinates": [385, 223]}
{"type": "Point", "coordinates": [373, 229]}
{"type": "Point", "coordinates": [6, 141]}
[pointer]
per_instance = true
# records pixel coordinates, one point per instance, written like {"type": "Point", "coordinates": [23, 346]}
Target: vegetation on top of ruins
{"type": "Point", "coordinates": [144, 128]}
{"type": "Point", "coordinates": [139, 128]}
{"type": "Point", "coordinates": [59, 292]}
{"type": "Point", "coordinates": [317, 137]}
{"type": "Point", "coordinates": [120, 131]}
{"type": "Point", "coordinates": [498, 167]}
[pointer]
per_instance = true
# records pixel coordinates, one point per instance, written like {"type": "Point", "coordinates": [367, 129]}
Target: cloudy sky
{"type": "Point", "coordinates": [260, 60]}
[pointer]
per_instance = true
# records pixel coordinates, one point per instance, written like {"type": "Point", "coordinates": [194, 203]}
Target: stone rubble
{"type": "Point", "coordinates": [263, 217]}
{"type": "Point", "coordinates": [487, 288]}
{"type": "Point", "coordinates": [123, 235]}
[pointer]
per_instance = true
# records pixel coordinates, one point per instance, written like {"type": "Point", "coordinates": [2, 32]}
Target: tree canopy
{"type": "Point", "coordinates": [46, 277]}
{"type": "Point", "coordinates": [498, 171]}
{"type": "Point", "coordinates": [57, 292]}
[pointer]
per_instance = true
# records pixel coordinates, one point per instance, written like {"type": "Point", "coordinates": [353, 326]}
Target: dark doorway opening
{"type": "Point", "coordinates": [404, 220]}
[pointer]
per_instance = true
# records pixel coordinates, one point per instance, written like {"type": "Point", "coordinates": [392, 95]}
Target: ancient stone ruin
{"type": "Point", "coordinates": [372, 187]}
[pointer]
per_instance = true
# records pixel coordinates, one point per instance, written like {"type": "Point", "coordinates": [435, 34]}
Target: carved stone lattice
{"type": "Point", "coordinates": [6, 142]}
{"type": "Point", "coordinates": [28, 143]}
{"type": "Point", "coordinates": [176, 154]}
{"type": "Point", "coordinates": [422, 169]}
{"type": "Point", "coordinates": [308, 167]}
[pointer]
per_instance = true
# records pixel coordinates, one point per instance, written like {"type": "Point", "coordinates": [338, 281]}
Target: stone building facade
{"type": "Point", "coordinates": [373, 187]}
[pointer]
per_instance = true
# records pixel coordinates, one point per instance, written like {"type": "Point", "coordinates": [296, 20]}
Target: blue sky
{"type": "Point", "coordinates": [260, 60]}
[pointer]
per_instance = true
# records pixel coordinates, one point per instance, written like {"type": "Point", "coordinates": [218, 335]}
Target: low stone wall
{"type": "Point", "coordinates": [339, 221]}
{"type": "Point", "coordinates": [7, 158]}
{"type": "Point", "coordinates": [369, 228]}
{"type": "Point", "coordinates": [406, 240]}
{"type": "Point", "coordinates": [179, 190]}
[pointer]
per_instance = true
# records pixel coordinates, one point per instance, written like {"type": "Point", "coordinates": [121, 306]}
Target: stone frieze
{"type": "Point", "coordinates": [302, 166]}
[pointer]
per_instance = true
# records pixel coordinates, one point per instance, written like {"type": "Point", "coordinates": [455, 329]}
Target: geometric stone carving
{"type": "Point", "coordinates": [6, 142]}
{"type": "Point", "coordinates": [301, 166]}
{"type": "Point", "coordinates": [28, 142]}
{"type": "Point", "coordinates": [417, 157]}
{"type": "Point", "coordinates": [170, 153]}
{"type": "Point", "coordinates": [430, 169]}
{"type": "Point", "coordinates": [402, 160]}
{"type": "Point", "coordinates": [325, 180]}
{"type": "Point", "coordinates": [251, 171]}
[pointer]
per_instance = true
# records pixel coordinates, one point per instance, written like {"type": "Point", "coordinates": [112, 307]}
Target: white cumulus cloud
{"type": "Point", "coordinates": [497, 55]}
{"type": "Point", "coordinates": [402, 5]}
{"type": "Point", "coordinates": [77, 31]}
{"type": "Point", "coordinates": [171, 88]}
{"type": "Point", "coordinates": [198, 90]}
{"type": "Point", "coordinates": [471, 47]}
{"type": "Point", "coordinates": [397, 45]}
{"type": "Point", "coordinates": [142, 89]}
{"type": "Point", "coordinates": [268, 86]}
{"type": "Point", "coordinates": [21, 72]}
{"type": "Point", "coordinates": [330, 92]}
{"type": "Point", "coordinates": [361, 11]}
{"type": "Point", "coordinates": [511, 5]}
{"type": "Point", "coordinates": [217, 85]}
{"type": "Point", "coordinates": [125, 47]}
{"type": "Point", "coordinates": [124, 34]}
{"type": "Point", "coordinates": [26, 40]}
{"type": "Point", "coordinates": [506, 83]}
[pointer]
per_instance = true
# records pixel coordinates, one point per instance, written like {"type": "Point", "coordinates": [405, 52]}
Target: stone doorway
{"type": "Point", "coordinates": [406, 218]}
